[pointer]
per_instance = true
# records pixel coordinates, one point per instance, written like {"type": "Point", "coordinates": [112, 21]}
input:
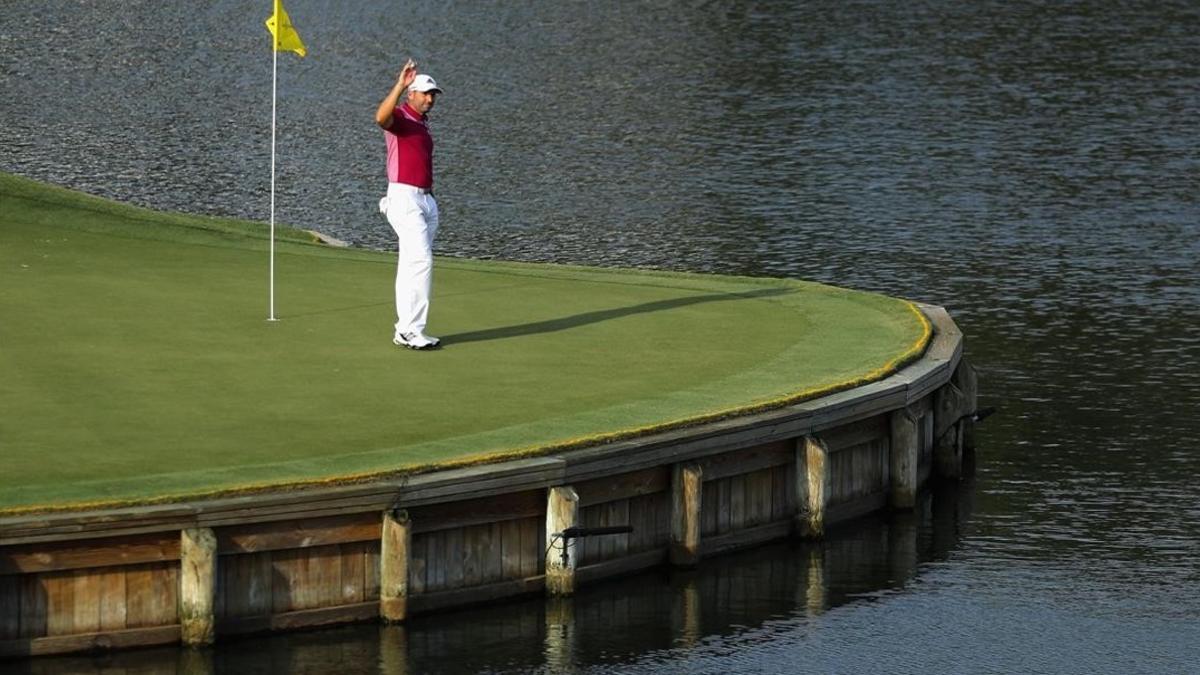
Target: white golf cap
{"type": "Point", "coordinates": [423, 83]}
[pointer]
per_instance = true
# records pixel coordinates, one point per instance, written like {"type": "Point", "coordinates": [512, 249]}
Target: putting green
{"type": "Point", "coordinates": [137, 365]}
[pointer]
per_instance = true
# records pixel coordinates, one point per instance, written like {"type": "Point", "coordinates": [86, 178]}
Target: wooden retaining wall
{"type": "Point", "coordinates": [195, 571]}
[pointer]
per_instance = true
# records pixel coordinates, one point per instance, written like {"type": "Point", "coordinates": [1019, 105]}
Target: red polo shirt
{"type": "Point", "coordinates": [409, 149]}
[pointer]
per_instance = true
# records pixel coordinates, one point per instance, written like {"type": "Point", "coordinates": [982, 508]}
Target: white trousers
{"type": "Point", "coordinates": [413, 215]}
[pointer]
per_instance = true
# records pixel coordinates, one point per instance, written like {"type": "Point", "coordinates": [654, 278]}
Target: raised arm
{"type": "Point", "coordinates": [383, 114]}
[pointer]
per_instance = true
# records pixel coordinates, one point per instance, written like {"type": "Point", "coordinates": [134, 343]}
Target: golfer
{"type": "Point", "coordinates": [409, 205]}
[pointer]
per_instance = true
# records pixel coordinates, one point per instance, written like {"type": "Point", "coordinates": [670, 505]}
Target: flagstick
{"type": "Point", "coordinates": [274, 77]}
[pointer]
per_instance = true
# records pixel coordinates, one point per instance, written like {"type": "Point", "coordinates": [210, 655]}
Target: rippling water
{"type": "Point", "coordinates": [1034, 167]}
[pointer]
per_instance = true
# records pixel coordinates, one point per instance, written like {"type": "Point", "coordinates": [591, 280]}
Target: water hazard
{"type": "Point", "coordinates": [1032, 167]}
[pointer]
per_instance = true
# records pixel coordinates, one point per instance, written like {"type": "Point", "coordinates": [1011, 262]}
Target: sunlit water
{"type": "Point", "coordinates": [1032, 167]}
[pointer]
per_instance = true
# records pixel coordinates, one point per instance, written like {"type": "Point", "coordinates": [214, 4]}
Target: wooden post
{"type": "Point", "coordinates": [812, 487]}
{"type": "Point", "coordinates": [905, 443]}
{"type": "Point", "coordinates": [394, 546]}
{"type": "Point", "coordinates": [949, 406]}
{"type": "Point", "coordinates": [967, 380]}
{"type": "Point", "coordinates": [562, 510]}
{"type": "Point", "coordinates": [197, 585]}
{"type": "Point", "coordinates": [687, 482]}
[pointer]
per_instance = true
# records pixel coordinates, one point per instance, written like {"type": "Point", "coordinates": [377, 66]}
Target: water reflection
{"type": "Point", "coordinates": [663, 616]}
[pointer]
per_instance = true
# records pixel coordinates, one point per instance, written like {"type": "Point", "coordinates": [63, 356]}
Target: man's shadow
{"type": "Point", "coordinates": [574, 321]}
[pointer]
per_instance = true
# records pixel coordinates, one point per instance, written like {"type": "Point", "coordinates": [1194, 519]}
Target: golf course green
{"type": "Point", "coordinates": [137, 364]}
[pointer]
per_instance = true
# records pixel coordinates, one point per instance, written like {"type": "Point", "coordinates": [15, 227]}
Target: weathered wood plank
{"type": "Point", "coordinates": [708, 513]}
{"type": "Point", "coordinates": [636, 514]}
{"type": "Point", "coordinates": [724, 495]}
{"type": "Point", "coordinates": [436, 561]}
{"type": "Point", "coordinates": [492, 554]}
{"type": "Point", "coordinates": [843, 475]}
{"type": "Point", "coordinates": [586, 549]}
{"type": "Point", "coordinates": [325, 574]}
{"type": "Point", "coordinates": [431, 602]}
{"type": "Point", "coordinates": [33, 606]}
{"type": "Point", "coordinates": [751, 536]}
{"type": "Point", "coordinates": [60, 602]}
{"type": "Point", "coordinates": [619, 515]}
{"type": "Point", "coordinates": [856, 508]}
{"type": "Point", "coordinates": [605, 544]}
{"type": "Point", "coordinates": [455, 555]}
{"type": "Point", "coordinates": [246, 584]}
{"type": "Point", "coordinates": [71, 555]}
{"type": "Point", "coordinates": [112, 598]}
{"type": "Point", "coordinates": [623, 486]}
{"type": "Point", "coordinates": [621, 566]}
{"type": "Point", "coordinates": [696, 444]}
{"type": "Point", "coordinates": [45, 646]}
{"type": "Point", "coordinates": [419, 569]}
{"type": "Point", "coordinates": [856, 433]}
{"type": "Point", "coordinates": [510, 549]}
{"type": "Point", "coordinates": [947, 338]}
{"type": "Point", "coordinates": [763, 456]}
{"type": "Point", "coordinates": [86, 602]}
{"type": "Point", "coordinates": [533, 545]}
{"type": "Point", "coordinates": [467, 513]}
{"type": "Point", "coordinates": [851, 405]}
{"type": "Point", "coordinates": [89, 524]}
{"type": "Point", "coordinates": [353, 563]}
{"type": "Point", "coordinates": [10, 607]}
{"type": "Point", "coordinates": [283, 535]}
{"type": "Point", "coordinates": [371, 572]}
{"type": "Point", "coordinates": [737, 502]}
{"type": "Point", "coordinates": [925, 455]}
{"type": "Point", "coordinates": [482, 481]}
{"type": "Point", "coordinates": [657, 521]}
{"type": "Point", "coordinates": [758, 497]}
{"type": "Point", "coordinates": [151, 595]}
{"type": "Point", "coordinates": [303, 618]}
{"type": "Point", "coordinates": [289, 570]}
{"type": "Point", "coordinates": [472, 560]}
{"type": "Point", "coordinates": [220, 605]}
{"type": "Point", "coordinates": [780, 508]}
{"type": "Point", "coordinates": [641, 519]}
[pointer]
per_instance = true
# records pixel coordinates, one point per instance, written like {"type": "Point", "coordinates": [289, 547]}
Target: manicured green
{"type": "Point", "coordinates": [136, 362]}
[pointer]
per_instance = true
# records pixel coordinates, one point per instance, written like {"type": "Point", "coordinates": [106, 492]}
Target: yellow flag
{"type": "Point", "coordinates": [286, 37]}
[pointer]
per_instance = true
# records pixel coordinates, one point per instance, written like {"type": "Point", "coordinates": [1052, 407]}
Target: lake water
{"type": "Point", "coordinates": [1033, 167]}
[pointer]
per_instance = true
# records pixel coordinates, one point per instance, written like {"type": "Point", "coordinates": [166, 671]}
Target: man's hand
{"type": "Point", "coordinates": [407, 74]}
{"type": "Point", "coordinates": [383, 114]}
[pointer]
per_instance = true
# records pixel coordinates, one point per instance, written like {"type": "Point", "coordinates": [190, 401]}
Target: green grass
{"type": "Point", "coordinates": [136, 362]}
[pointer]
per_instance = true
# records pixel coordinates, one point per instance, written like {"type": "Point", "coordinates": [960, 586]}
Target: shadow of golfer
{"type": "Point", "coordinates": [567, 322]}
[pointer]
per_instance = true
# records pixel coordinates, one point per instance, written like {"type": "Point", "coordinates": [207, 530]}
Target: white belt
{"type": "Point", "coordinates": [414, 188]}
{"type": "Point", "coordinates": [383, 203]}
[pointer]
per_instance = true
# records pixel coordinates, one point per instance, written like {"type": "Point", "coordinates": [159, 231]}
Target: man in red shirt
{"type": "Point", "coordinates": [409, 205]}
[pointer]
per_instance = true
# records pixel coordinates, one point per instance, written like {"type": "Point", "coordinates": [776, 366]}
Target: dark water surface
{"type": "Point", "coordinates": [1033, 167]}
